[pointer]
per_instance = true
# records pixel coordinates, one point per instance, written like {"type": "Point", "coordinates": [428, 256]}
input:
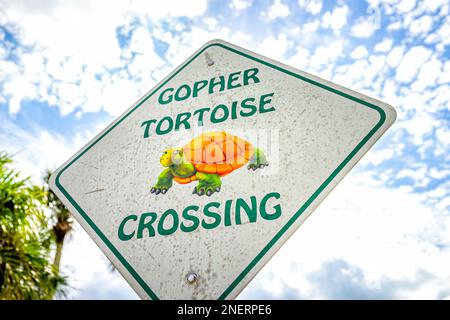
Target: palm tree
{"type": "Point", "coordinates": [62, 220]}
{"type": "Point", "coordinates": [26, 271]}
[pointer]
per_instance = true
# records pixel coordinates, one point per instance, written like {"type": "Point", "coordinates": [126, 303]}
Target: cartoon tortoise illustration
{"type": "Point", "coordinates": [207, 158]}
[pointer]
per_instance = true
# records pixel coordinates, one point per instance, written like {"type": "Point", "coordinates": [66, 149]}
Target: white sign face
{"type": "Point", "coordinates": [192, 190]}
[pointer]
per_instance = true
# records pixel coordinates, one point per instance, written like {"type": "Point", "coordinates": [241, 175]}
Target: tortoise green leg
{"type": "Point", "coordinates": [208, 183]}
{"type": "Point", "coordinates": [258, 160]}
{"type": "Point", "coordinates": [164, 182]}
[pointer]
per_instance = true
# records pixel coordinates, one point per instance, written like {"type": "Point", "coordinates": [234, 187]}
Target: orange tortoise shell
{"type": "Point", "coordinates": [216, 152]}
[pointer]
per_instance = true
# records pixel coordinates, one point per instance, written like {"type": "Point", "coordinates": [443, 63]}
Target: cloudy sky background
{"type": "Point", "coordinates": [68, 68]}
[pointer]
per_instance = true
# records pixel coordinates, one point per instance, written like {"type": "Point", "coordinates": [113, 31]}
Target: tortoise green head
{"type": "Point", "coordinates": [171, 157]}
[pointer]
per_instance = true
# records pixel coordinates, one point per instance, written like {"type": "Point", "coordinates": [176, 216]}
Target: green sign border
{"type": "Point", "coordinates": [284, 228]}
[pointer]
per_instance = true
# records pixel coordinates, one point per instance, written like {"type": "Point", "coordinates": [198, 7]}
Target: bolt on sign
{"type": "Point", "coordinates": [196, 186]}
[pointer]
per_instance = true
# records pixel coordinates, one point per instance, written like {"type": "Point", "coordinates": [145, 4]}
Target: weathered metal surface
{"type": "Point", "coordinates": [312, 136]}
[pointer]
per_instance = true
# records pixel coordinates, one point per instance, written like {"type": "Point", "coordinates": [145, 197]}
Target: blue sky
{"type": "Point", "coordinates": [68, 68]}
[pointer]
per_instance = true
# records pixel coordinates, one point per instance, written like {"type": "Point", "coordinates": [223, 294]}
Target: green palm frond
{"type": "Point", "coordinates": [26, 271]}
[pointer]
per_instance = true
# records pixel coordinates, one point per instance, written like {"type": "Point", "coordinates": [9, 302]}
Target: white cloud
{"type": "Point", "coordinates": [300, 59]}
{"type": "Point", "coordinates": [428, 75]}
{"type": "Point", "coordinates": [310, 27]}
{"type": "Point", "coordinates": [147, 60]}
{"type": "Point", "coordinates": [241, 4]}
{"type": "Point", "coordinates": [395, 56]}
{"type": "Point", "coordinates": [421, 26]}
{"type": "Point", "coordinates": [275, 47]}
{"type": "Point", "coordinates": [211, 22]}
{"type": "Point", "coordinates": [445, 76]}
{"type": "Point", "coordinates": [17, 88]}
{"type": "Point", "coordinates": [443, 136]}
{"type": "Point", "coordinates": [90, 276]}
{"type": "Point", "coordinates": [359, 52]}
{"type": "Point", "coordinates": [277, 10]}
{"type": "Point", "coordinates": [362, 74]}
{"type": "Point", "coordinates": [141, 41]}
{"type": "Point", "coordinates": [443, 33]}
{"type": "Point", "coordinates": [71, 44]}
{"type": "Point", "coordinates": [70, 28]}
{"type": "Point", "coordinates": [422, 123]}
{"type": "Point", "coordinates": [406, 6]}
{"type": "Point", "coordinates": [325, 55]}
{"type": "Point", "coordinates": [364, 28]}
{"type": "Point", "coordinates": [433, 6]}
{"type": "Point", "coordinates": [335, 19]}
{"type": "Point", "coordinates": [411, 63]}
{"type": "Point", "coordinates": [8, 68]}
{"type": "Point", "coordinates": [311, 6]}
{"type": "Point", "coordinates": [36, 151]}
{"type": "Point", "coordinates": [71, 96]}
{"type": "Point", "coordinates": [384, 46]}
{"type": "Point", "coordinates": [183, 44]}
{"type": "Point", "coordinates": [417, 174]}
{"type": "Point", "coordinates": [118, 94]}
{"type": "Point", "coordinates": [171, 8]}
{"type": "Point", "coordinates": [394, 26]}
{"type": "Point", "coordinates": [377, 157]}
{"type": "Point", "coordinates": [381, 242]}
{"type": "Point", "coordinates": [439, 174]}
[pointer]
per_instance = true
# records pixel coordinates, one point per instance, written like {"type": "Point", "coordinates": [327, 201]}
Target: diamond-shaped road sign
{"type": "Point", "coordinates": [196, 186]}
